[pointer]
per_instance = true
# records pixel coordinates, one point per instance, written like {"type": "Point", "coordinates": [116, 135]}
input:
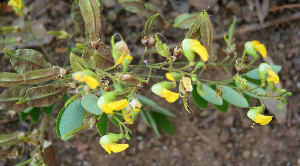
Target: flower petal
{"type": "Point", "coordinates": [260, 48]}
{"type": "Point", "coordinates": [118, 147]}
{"type": "Point", "coordinates": [263, 119]}
{"type": "Point", "coordinates": [169, 76]}
{"type": "Point", "coordinates": [273, 77]}
{"type": "Point", "coordinates": [169, 95]}
{"type": "Point", "coordinates": [199, 49]}
{"type": "Point", "coordinates": [91, 81]}
{"type": "Point", "coordinates": [107, 148]}
{"type": "Point", "coordinates": [117, 105]}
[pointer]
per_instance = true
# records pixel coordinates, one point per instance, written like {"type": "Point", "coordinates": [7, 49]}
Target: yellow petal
{"type": "Point", "coordinates": [117, 105]}
{"type": "Point", "coordinates": [120, 60]}
{"type": "Point", "coordinates": [106, 109]}
{"type": "Point", "coordinates": [262, 119]}
{"type": "Point", "coordinates": [273, 77]}
{"type": "Point", "coordinates": [118, 147]}
{"type": "Point", "coordinates": [260, 48]}
{"type": "Point", "coordinates": [187, 84]}
{"type": "Point", "coordinates": [169, 77]}
{"type": "Point", "coordinates": [107, 148]}
{"type": "Point", "coordinates": [17, 3]}
{"type": "Point", "coordinates": [199, 49]}
{"type": "Point", "coordinates": [128, 57]}
{"type": "Point", "coordinates": [169, 95]}
{"type": "Point", "coordinates": [91, 81]}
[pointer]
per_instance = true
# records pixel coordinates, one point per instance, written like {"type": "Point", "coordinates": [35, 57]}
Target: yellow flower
{"type": "Point", "coordinates": [187, 84]}
{"type": "Point", "coordinates": [189, 46]}
{"type": "Point", "coordinates": [135, 103]}
{"type": "Point", "coordinates": [165, 93]}
{"type": "Point", "coordinates": [273, 76]}
{"type": "Point", "coordinates": [89, 80]}
{"type": "Point", "coordinates": [110, 106]}
{"type": "Point", "coordinates": [122, 57]}
{"type": "Point", "coordinates": [262, 119]}
{"type": "Point", "coordinates": [128, 117]}
{"type": "Point", "coordinates": [17, 3]}
{"type": "Point", "coordinates": [255, 46]}
{"type": "Point", "coordinates": [255, 114]}
{"type": "Point", "coordinates": [169, 77]}
{"type": "Point", "coordinates": [109, 144]}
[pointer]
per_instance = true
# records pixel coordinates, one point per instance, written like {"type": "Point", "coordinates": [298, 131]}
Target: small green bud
{"type": "Point", "coordinates": [284, 101]}
{"type": "Point", "coordinates": [127, 136]}
{"type": "Point", "coordinates": [287, 94]}
{"type": "Point", "coordinates": [115, 137]}
{"type": "Point", "coordinates": [199, 65]}
{"type": "Point", "coordinates": [253, 110]}
{"type": "Point", "coordinates": [281, 91]}
{"type": "Point", "coordinates": [251, 50]}
{"type": "Point", "coordinates": [162, 48]}
{"type": "Point", "coordinates": [279, 106]}
{"type": "Point", "coordinates": [168, 85]}
{"type": "Point", "coordinates": [241, 82]}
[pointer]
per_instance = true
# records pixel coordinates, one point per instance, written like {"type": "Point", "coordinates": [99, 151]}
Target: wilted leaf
{"type": "Point", "coordinates": [77, 63]}
{"type": "Point", "coordinates": [71, 118]}
{"type": "Point", "coordinates": [147, 10]}
{"type": "Point", "coordinates": [148, 25]}
{"type": "Point", "coordinates": [43, 96]}
{"type": "Point", "coordinates": [234, 97]}
{"type": "Point", "coordinates": [185, 20]}
{"type": "Point", "coordinates": [206, 31]}
{"type": "Point", "coordinates": [194, 31]}
{"type": "Point", "coordinates": [89, 103]}
{"type": "Point", "coordinates": [102, 124]}
{"type": "Point", "coordinates": [9, 99]}
{"type": "Point", "coordinates": [91, 13]}
{"type": "Point", "coordinates": [33, 77]}
{"type": "Point", "coordinates": [26, 60]}
{"type": "Point", "coordinates": [77, 16]}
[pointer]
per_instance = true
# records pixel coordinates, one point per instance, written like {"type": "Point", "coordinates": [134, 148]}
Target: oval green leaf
{"type": "Point", "coordinates": [163, 122]}
{"type": "Point", "coordinates": [223, 107]}
{"type": "Point", "coordinates": [102, 124]}
{"type": "Point", "coordinates": [89, 103]}
{"type": "Point", "coordinates": [254, 75]}
{"type": "Point", "coordinates": [198, 100]}
{"type": "Point", "coordinates": [35, 114]}
{"type": "Point", "coordinates": [71, 118]}
{"type": "Point", "coordinates": [234, 97]}
{"type": "Point", "coordinates": [211, 96]}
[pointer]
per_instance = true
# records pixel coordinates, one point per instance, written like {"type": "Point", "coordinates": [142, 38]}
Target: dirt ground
{"type": "Point", "coordinates": [203, 137]}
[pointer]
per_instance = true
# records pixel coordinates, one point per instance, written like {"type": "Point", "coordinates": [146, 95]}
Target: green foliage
{"type": "Point", "coordinates": [163, 122]}
{"type": "Point", "coordinates": [102, 124]}
{"type": "Point", "coordinates": [71, 119]}
{"type": "Point", "coordinates": [185, 20]}
{"type": "Point", "coordinates": [198, 100]}
{"type": "Point", "coordinates": [211, 96]}
{"type": "Point", "coordinates": [234, 97]}
{"type": "Point", "coordinates": [223, 107]}
{"type": "Point", "coordinates": [89, 103]}
{"type": "Point", "coordinates": [253, 73]}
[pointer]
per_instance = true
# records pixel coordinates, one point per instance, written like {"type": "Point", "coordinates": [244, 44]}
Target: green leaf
{"type": "Point", "coordinates": [60, 34]}
{"type": "Point", "coordinates": [254, 75]}
{"type": "Point", "coordinates": [223, 107]}
{"type": "Point", "coordinates": [43, 96]}
{"type": "Point", "coordinates": [119, 117]}
{"type": "Point", "coordinates": [23, 116]}
{"type": "Point", "coordinates": [198, 100]}
{"type": "Point", "coordinates": [151, 103]}
{"type": "Point", "coordinates": [48, 110]}
{"type": "Point", "coordinates": [71, 118]}
{"type": "Point", "coordinates": [206, 31]}
{"type": "Point", "coordinates": [35, 114]}
{"type": "Point", "coordinates": [102, 124]}
{"type": "Point", "coordinates": [231, 31]}
{"type": "Point", "coordinates": [259, 91]}
{"type": "Point", "coordinates": [164, 123]}
{"type": "Point", "coordinates": [75, 131]}
{"type": "Point", "coordinates": [77, 63]}
{"type": "Point", "coordinates": [9, 29]}
{"type": "Point", "coordinates": [89, 103]}
{"type": "Point", "coordinates": [185, 20]}
{"type": "Point", "coordinates": [234, 97]}
{"type": "Point", "coordinates": [26, 60]}
{"type": "Point", "coordinates": [58, 120]}
{"type": "Point", "coordinates": [91, 13]}
{"type": "Point", "coordinates": [9, 99]}
{"type": "Point", "coordinates": [142, 112]}
{"type": "Point", "coordinates": [153, 123]}
{"type": "Point", "coordinates": [77, 16]}
{"type": "Point", "coordinates": [211, 96]}
{"type": "Point", "coordinates": [194, 30]}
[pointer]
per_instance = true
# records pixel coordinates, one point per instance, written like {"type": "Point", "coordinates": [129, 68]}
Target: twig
{"type": "Point", "coordinates": [289, 6]}
{"type": "Point", "coordinates": [256, 26]}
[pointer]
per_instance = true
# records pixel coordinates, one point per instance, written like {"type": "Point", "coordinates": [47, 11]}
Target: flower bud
{"type": "Point", "coordinates": [241, 82]}
{"type": "Point", "coordinates": [173, 76]}
{"type": "Point", "coordinates": [162, 48]}
{"type": "Point", "coordinates": [199, 88]}
{"type": "Point", "coordinates": [253, 110]}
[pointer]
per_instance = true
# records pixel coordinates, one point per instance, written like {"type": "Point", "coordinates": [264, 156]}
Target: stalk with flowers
{"type": "Point", "coordinates": [106, 82]}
